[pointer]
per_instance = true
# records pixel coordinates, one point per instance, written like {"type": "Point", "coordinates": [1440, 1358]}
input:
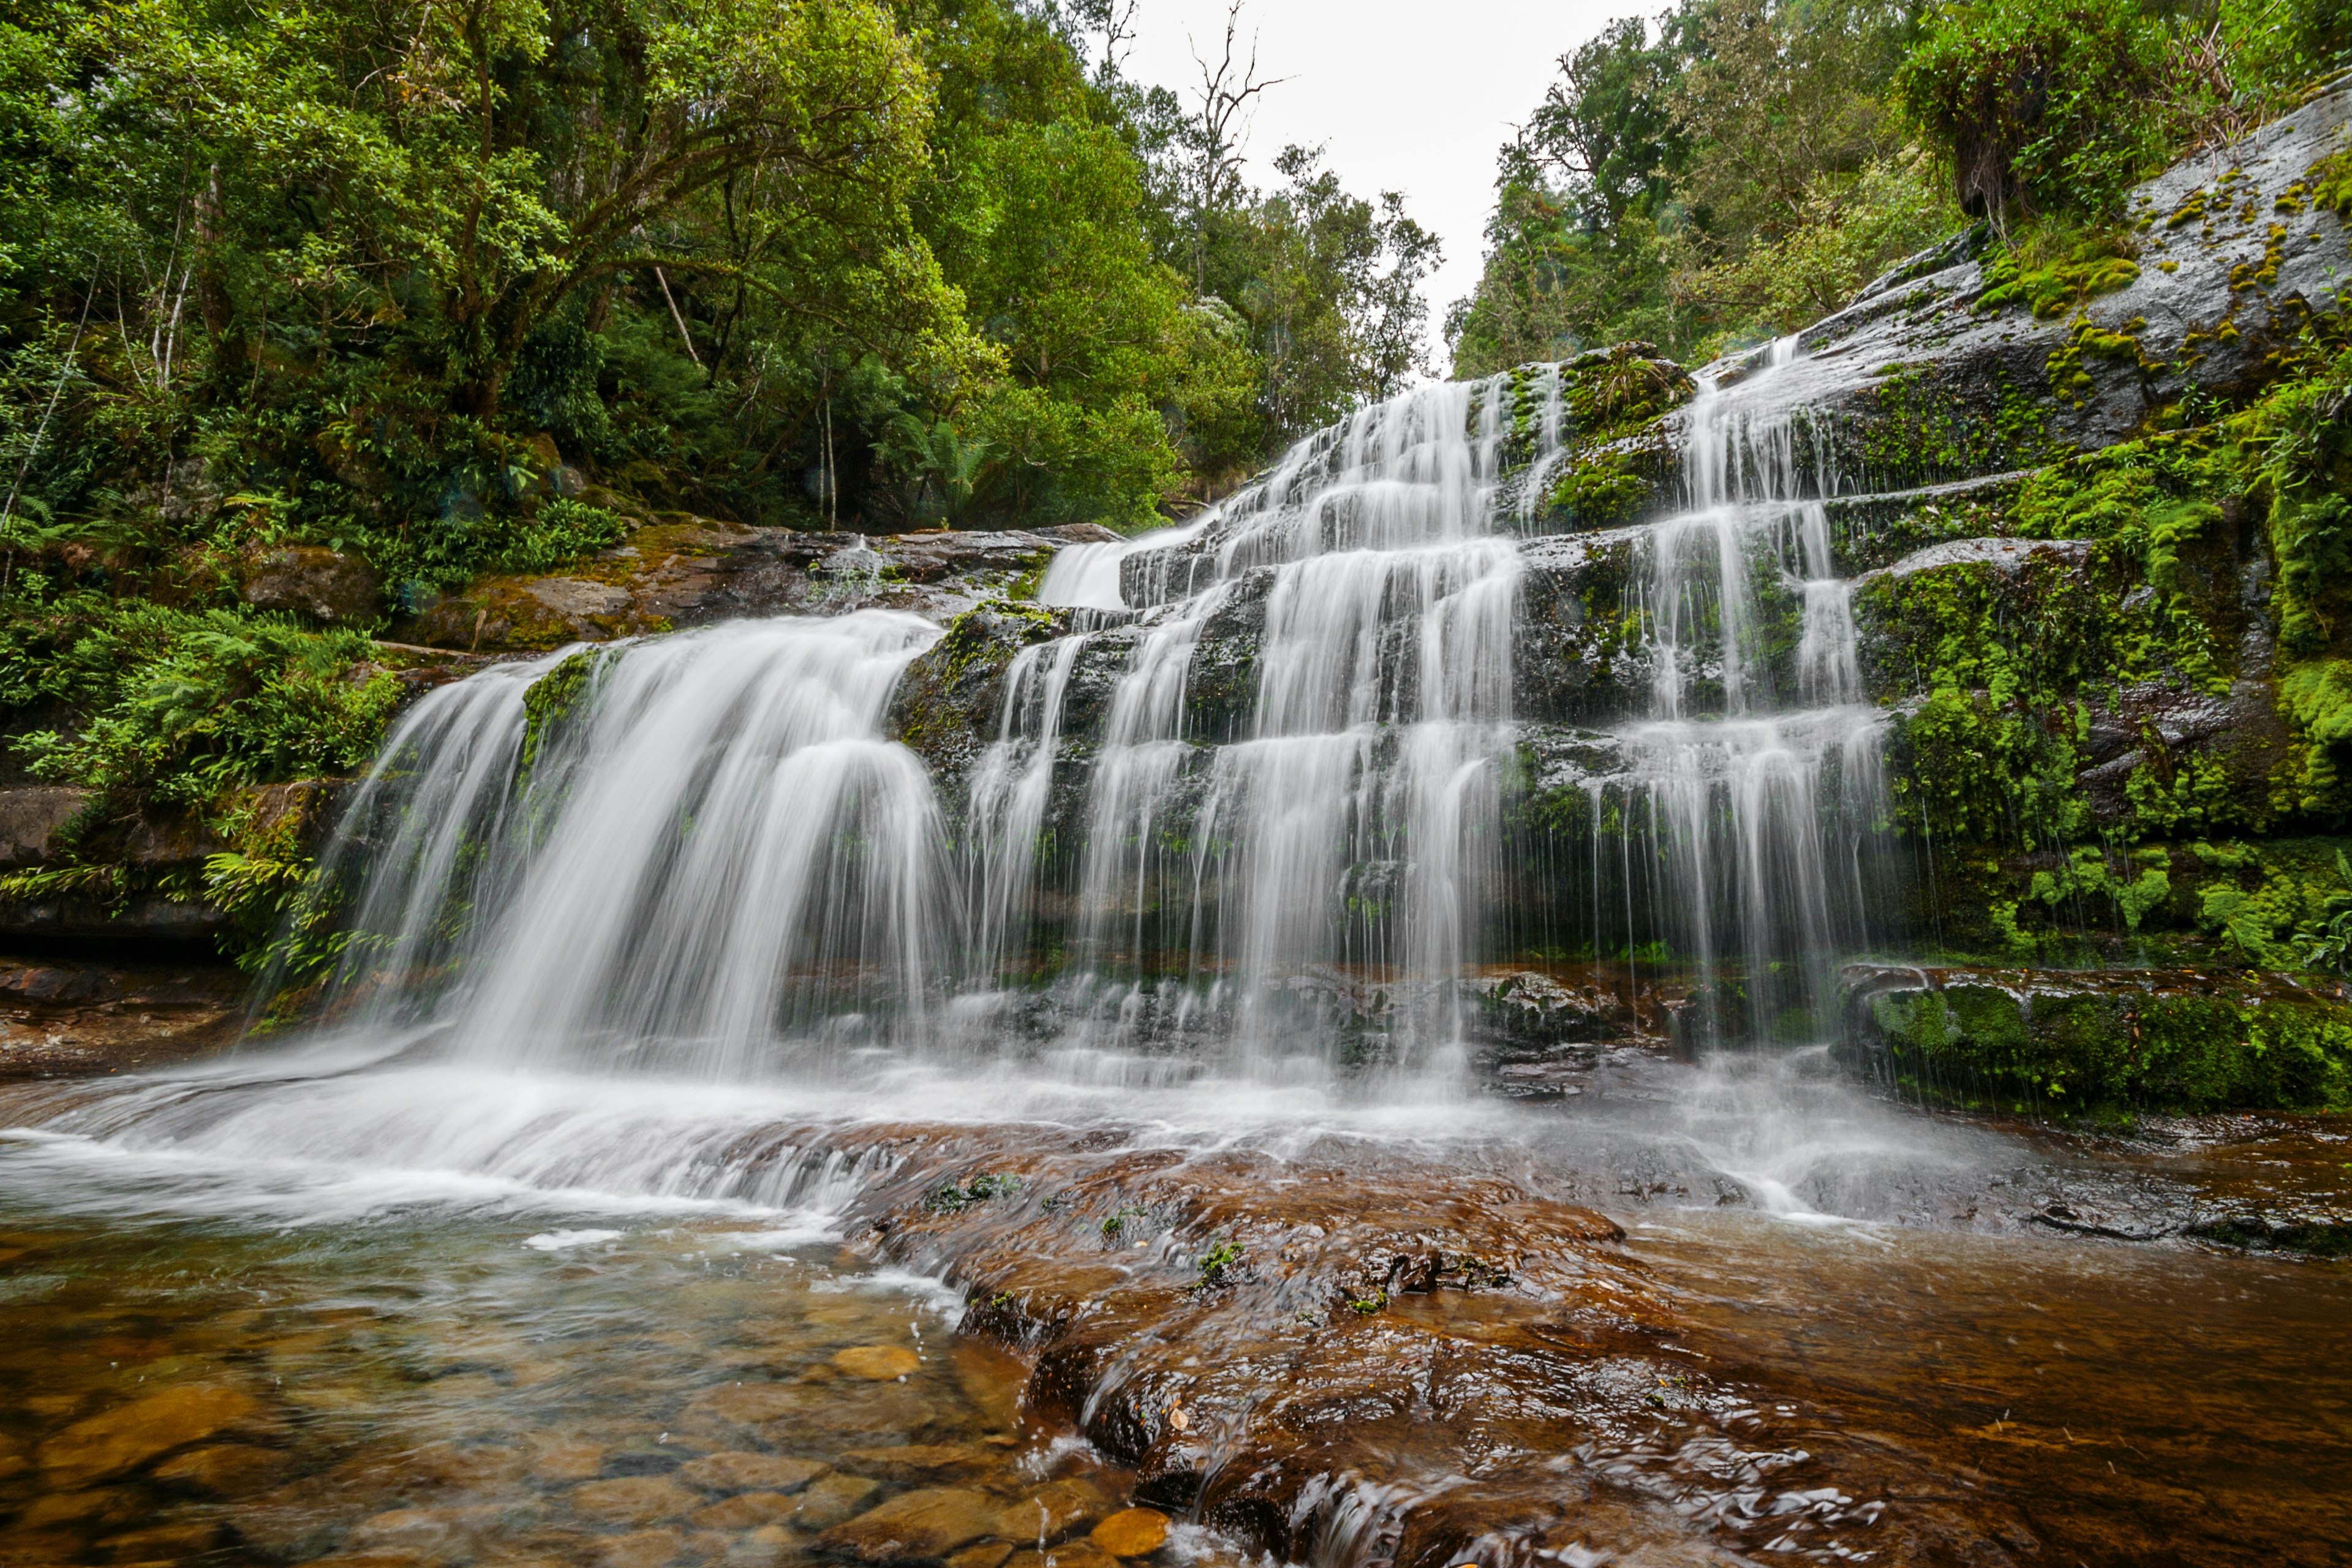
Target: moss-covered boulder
{"type": "Point", "coordinates": [2050, 1041]}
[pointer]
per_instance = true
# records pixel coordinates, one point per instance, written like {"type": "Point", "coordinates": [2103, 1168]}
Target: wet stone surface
{"type": "Point", "coordinates": [487, 1396]}
{"type": "Point", "coordinates": [1344, 1351]}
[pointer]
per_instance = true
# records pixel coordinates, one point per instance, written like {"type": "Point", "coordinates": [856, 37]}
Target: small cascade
{"type": "Point", "coordinates": [1308, 867]}
{"type": "Point", "coordinates": [1750, 795]}
{"type": "Point", "coordinates": [691, 849]}
{"type": "Point", "coordinates": [1011, 789]}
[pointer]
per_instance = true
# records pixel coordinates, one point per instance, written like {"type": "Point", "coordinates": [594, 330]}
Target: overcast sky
{"type": "Point", "coordinates": [1406, 95]}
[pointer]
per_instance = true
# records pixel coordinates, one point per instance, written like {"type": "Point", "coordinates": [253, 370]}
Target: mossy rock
{"type": "Point", "coordinates": [2049, 1042]}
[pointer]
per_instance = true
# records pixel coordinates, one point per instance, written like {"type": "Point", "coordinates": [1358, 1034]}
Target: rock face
{"type": "Point", "coordinates": [62, 1017]}
{"type": "Point", "coordinates": [1242, 1334]}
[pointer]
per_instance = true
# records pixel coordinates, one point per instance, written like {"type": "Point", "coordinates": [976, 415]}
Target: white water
{"type": "Point", "coordinates": [720, 854]}
{"type": "Point", "coordinates": [1319, 867]}
{"type": "Point", "coordinates": [1753, 805]}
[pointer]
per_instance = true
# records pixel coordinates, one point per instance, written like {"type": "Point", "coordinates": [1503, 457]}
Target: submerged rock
{"type": "Point", "coordinates": [920, 1526]}
{"type": "Point", "coordinates": [747, 1473]}
{"type": "Point", "coordinates": [131, 1434]}
{"type": "Point", "coordinates": [878, 1364]}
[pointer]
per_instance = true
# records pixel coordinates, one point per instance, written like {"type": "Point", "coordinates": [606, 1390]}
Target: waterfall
{"type": "Point", "coordinates": [710, 848]}
{"type": "Point", "coordinates": [1746, 816]}
{"type": "Point", "coordinates": [1276, 839]}
{"type": "Point", "coordinates": [1314, 875]}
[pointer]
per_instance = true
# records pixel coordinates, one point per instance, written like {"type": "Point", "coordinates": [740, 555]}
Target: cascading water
{"type": "Point", "coordinates": [1745, 817]}
{"type": "Point", "coordinates": [1305, 871]}
{"type": "Point", "coordinates": [713, 849]}
{"type": "Point", "coordinates": [1284, 808]}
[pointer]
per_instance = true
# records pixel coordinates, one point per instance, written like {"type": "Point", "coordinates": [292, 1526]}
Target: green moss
{"type": "Point", "coordinates": [2070, 380]}
{"type": "Point", "coordinates": [550, 701]}
{"type": "Point", "coordinates": [1596, 488]}
{"type": "Point", "coordinates": [1912, 427]}
{"type": "Point", "coordinates": [2330, 183]}
{"type": "Point", "coordinates": [2053, 287]}
{"type": "Point", "coordinates": [2077, 1045]}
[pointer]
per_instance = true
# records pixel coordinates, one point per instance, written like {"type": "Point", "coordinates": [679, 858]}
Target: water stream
{"type": "Point", "coordinates": [694, 1065]}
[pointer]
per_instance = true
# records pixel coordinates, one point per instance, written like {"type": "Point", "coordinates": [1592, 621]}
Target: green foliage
{"type": "Point", "coordinates": [1848, 228]}
{"type": "Point", "coordinates": [188, 703]}
{"type": "Point", "coordinates": [2330, 947]}
{"type": "Point", "coordinates": [561, 533]}
{"type": "Point", "coordinates": [389, 278]}
{"type": "Point", "coordinates": [1220, 1265]}
{"type": "Point", "coordinates": [2278, 47]}
{"type": "Point", "coordinates": [980, 1189]}
{"type": "Point", "coordinates": [2038, 105]}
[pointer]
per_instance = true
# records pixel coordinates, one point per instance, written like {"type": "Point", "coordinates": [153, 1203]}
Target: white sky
{"type": "Point", "coordinates": [1405, 95]}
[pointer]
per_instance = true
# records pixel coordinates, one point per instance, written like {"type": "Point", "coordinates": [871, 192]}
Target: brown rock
{"type": "Point", "coordinates": [112, 1505]}
{"type": "Point", "coordinates": [827, 1502]}
{"type": "Point", "coordinates": [747, 1510]}
{"type": "Point", "coordinates": [227, 1469]}
{"type": "Point", "coordinates": [1132, 1532]}
{"type": "Point", "coordinates": [567, 1462]}
{"type": "Point", "coordinates": [1056, 1512]}
{"type": "Point", "coordinates": [633, 1500]}
{"type": "Point", "coordinates": [741, 1472]}
{"type": "Point", "coordinates": [129, 1435]}
{"type": "Point", "coordinates": [313, 582]}
{"type": "Point", "coordinates": [579, 596]}
{"type": "Point", "coordinates": [425, 1528]}
{"type": "Point", "coordinates": [747, 1402]}
{"type": "Point", "coordinates": [640, 1549]}
{"type": "Point", "coordinates": [920, 1526]}
{"type": "Point", "coordinates": [880, 1363]}
{"type": "Point", "coordinates": [982, 1555]}
{"type": "Point", "coordinates": [164, 1542]}
{"type": "Point", "coordinates": [1070, 1555]}
{"type": "Point", "coordinates": [921, 1462]}
{"type": "Point", "coordinates": [767, 1547]}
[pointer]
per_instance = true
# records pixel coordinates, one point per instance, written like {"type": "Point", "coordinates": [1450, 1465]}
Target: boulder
{"type": "Point", "coordinates": [309, 580]}
{"type": "Point", "coordinates": [30, 818]}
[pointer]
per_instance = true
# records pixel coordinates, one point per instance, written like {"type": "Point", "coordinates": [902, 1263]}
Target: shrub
{"type": "Point", "coordinates": [188, 703]}
{"type": "Point", "coordinates": [561, 532]}
{"type": "Point", "coordinates": [2038, 105]}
